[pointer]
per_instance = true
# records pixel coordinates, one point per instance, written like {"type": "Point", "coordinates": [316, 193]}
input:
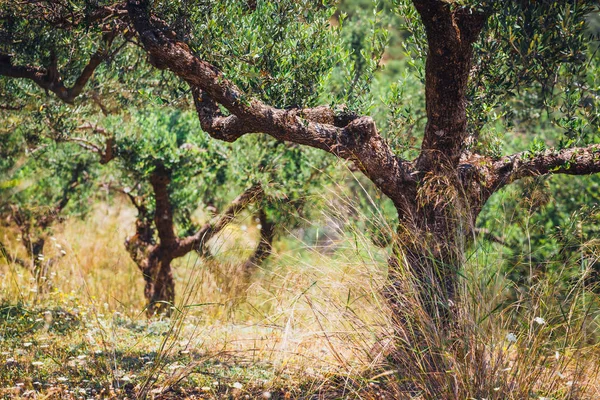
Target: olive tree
{"type": "Point", "coordinates": [167, 170]}
{"type": "Point", "coordinates": [240, 58]}
{"type": "Point", "coordinates": [41, 185]}
{"type": "Point", "coordinates": [159, 159]}
{"type": "Point", "coordinates": [440, 193]}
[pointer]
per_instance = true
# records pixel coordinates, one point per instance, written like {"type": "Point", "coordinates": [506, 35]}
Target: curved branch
{"type": "Point", "coordinates": [571, 161]}
{"type": "Point", "coordinates": [209, 230]}
{"type": "Point", "coordinates": [110, 148]}
{"type": "Point", "coordinates": [353, 139]}
{"type": "Point", "coordinates": [49, 79]}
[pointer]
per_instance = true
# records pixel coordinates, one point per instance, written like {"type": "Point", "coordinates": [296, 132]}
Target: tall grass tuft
{"type": "Point", "coordinates": [505, 341]}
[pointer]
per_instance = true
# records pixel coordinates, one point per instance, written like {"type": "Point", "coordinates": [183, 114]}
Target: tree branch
{"type": "Point", "coordinates": [451, 32]}
{"type": "Point", "coordinates": [357, 141]}
{"type": "Point", "coordinates": [571, 161]}
{"type": "Point", "coordinates": [61, 15]}
{"type": "Point", "coordinates": [49, 78]}
{"type": "Point", "coordinates": [109, 151]}
{"type": "Point", "coordinates": [209, 230]}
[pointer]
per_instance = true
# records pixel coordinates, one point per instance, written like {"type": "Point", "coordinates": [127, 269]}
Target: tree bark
{"type": "Point", "coordinates": [160, 287]}
{"type": "Point", "coordinates": [155, 266]}
{"type": "Point", "coordinates": [263, 248]}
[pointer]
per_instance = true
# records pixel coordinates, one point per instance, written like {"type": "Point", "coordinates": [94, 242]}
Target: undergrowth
{"type": "Point", "coordinates": [310, 324]}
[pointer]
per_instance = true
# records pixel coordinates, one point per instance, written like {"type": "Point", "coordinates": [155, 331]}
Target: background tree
{"type": "Point", "coordinates": [42, 184]}
{"type": "Point", "coordinates": [165, 169]}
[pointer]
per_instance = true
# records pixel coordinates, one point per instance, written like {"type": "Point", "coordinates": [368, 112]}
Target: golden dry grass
{"type": "Point", "coordinates": [309, 324]}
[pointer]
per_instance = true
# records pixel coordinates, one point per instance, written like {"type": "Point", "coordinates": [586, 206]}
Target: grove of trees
{"type": "Point", "coordinates": [289, 83]}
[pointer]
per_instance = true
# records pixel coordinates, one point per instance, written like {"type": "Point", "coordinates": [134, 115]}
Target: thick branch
{"type": "Point", "coordinates": [357, 141]}
{"type": "Point", "coordinates": [209, 230]}
{"type": "Point", "coordinates": [451, 33]}
{"type": "Point", "coordinates": [572, 161]}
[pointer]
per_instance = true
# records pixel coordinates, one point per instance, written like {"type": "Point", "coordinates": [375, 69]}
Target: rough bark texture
{"type": "Point", "coordinates": [450, 36]}
{"type": "Point", "coordinates": [358, 141]}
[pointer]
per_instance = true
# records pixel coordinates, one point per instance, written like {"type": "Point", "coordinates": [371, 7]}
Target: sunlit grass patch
{"type": "Point", "coordinates": [310, 322]}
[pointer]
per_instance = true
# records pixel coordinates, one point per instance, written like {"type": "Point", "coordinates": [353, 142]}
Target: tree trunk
{"type": "Point", "coordinates": [155, 266]}
{"type": "Point", "coordinates": [160, 288]}
{"type": "Point", "coordinates": [428, 255]}
{"type": "Point", "coordinates": [263, 248]}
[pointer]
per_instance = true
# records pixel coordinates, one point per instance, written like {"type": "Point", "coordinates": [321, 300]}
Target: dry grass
{"type": "Point", "coordinates": [310, 324]}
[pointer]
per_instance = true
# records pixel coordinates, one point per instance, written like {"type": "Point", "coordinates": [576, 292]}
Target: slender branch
{"type": "Point", "coordinates": [110, 150]}
{"type": "Point", "coordinates": [163, 216]}
{"type": "Point", "coordinates": [571, 161]}
{"type": "Point", "coordinates": [62, 16]}
{"type": "Point", "coordinates": [50, 79]}
{"type": "Point", "coordinates": [209, 230]}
